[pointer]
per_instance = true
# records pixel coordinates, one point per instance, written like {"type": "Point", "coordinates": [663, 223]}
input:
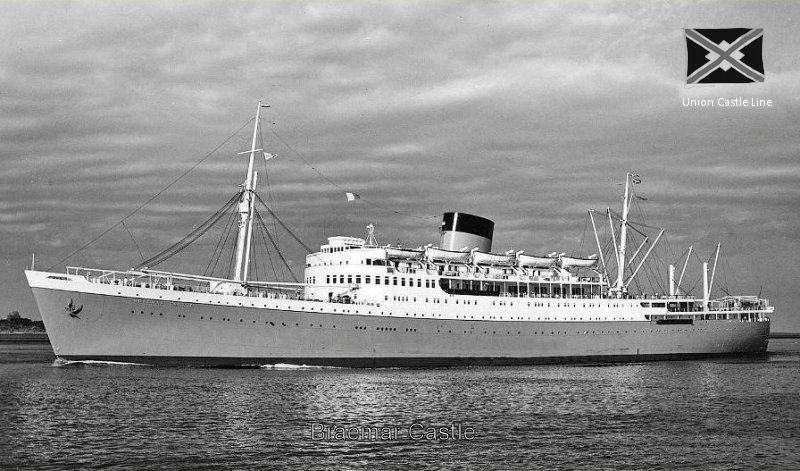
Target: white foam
{"type": "Point", "coordinates": [289, 366]}
{"type": "Point", "coordinates": [783, 358]}
{"type": "Point", "coordinates": [60, 362]}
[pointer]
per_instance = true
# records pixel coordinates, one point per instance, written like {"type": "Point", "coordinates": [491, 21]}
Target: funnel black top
{"type": "Point", "coordinates": [463, 222]}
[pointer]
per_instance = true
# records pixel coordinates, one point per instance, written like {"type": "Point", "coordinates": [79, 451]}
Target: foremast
{"type": "Point", "coordinates": [246, 203]}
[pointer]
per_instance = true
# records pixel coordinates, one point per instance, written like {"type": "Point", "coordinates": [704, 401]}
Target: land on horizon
{"type": "Point", "coordinates": [16, 323]}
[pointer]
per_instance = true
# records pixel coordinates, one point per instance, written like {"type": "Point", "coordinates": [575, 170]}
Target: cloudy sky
{"type": "Point", "coordinates": [526, 113]}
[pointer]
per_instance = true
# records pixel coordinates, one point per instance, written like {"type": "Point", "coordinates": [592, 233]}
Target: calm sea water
{"type": "Point", "coordinates": [710, 414]}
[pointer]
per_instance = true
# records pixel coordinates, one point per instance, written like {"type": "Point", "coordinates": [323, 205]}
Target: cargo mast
{"type": "Point", "coordinates": [620, 285]}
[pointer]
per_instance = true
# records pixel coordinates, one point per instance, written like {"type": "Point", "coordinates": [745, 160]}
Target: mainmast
{"type": "Point", "coordinates": [246, 208]}
{"type": "Point", "coordinates": [623, 233]}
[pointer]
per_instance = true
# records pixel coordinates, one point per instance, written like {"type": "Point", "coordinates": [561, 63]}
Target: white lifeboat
{"type": "Point", "coordinates": [535, 261]}
{"type": "Point", "coordinates": [441, 255]}
{"type": "Point", "coordinates": [573, 262]}
{"type": "Point", "coordinates": [486, 258]}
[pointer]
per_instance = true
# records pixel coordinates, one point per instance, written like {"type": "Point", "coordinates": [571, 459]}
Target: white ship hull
{"type": "Point", "coordinates": [153, 326]}
{"type": "Point", "coordinates": [362, 305]}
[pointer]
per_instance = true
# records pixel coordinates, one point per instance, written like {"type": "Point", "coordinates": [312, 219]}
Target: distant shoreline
{"type": "Point", "coordinates": [784, 335]}
{"type": "Point", "coordinates": [24, 337]}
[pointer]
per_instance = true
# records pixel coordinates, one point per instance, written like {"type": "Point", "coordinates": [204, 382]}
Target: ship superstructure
{"type": "Point", "coordinates": [364, 304]}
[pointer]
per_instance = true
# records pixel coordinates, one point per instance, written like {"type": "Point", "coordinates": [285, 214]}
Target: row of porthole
{"type": "Point", "coordinates": [347, 311]}
{"type": "Point", "coordinates": [393, 329]}
{"type": "Point", "coordinates": [504, 303]}
{"type": "Point", "coordinates": [586, 332]}
{"type": "Point", "coordinates": [490, 317]}
{"type": "Point", "coordinates": [436, 300]}
{"type": "Point", "coordinates": [211, 318]}
{"type": "Point", "coordinates": [494, 332]}
{"type": "Point", "coordinates": [242, 320]}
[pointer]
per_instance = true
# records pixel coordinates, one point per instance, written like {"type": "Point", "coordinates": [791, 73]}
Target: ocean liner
{"type": "Point", "coordinates": [365, 305]}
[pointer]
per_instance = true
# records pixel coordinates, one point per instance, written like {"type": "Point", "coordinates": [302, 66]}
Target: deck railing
{"type": "Point", "coordinates": [176, 282]}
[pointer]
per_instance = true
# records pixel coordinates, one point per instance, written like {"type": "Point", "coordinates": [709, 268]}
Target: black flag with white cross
{"type": "Point", "coordinates": [730, 55]}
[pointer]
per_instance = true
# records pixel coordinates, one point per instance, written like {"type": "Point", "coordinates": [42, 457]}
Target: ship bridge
{"type": "Point", "coordinates": [341, 243]}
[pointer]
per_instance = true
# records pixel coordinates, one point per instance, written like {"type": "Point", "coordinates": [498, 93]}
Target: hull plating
{"type": "Point", "coordinates": [129, 329]}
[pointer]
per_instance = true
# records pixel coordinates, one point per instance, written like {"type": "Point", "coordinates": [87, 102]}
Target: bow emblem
{"type": "Point", "coordinates": [72, 310]}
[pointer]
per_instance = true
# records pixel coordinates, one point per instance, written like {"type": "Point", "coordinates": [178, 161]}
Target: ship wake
{"type": "Point", "coordinates": [291, 366]}
{"type": "Point", "coordinates": [62, 363]}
